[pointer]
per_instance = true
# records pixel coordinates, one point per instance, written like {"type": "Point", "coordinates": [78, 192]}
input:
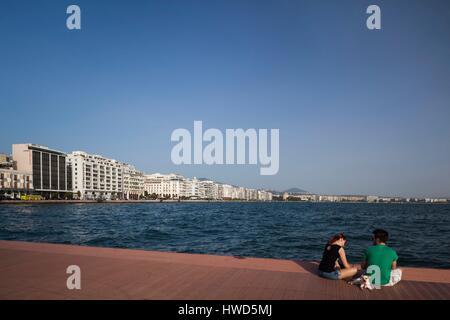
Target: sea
{"type": "Point", "coordinates": [286, 230]}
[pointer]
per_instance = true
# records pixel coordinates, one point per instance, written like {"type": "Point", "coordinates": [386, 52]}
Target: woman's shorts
{"type": "Point", "coordinates": [330, 275]}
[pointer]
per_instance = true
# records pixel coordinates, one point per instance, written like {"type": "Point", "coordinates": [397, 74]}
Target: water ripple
{"type": "Point", "coordinates": [277, 230]}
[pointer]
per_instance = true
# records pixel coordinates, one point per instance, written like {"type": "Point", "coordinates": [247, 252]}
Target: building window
{"type": "Point", "coordinates": [37, 169]}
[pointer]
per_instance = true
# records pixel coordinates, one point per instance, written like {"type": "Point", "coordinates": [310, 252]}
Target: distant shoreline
{"type": "Point", "coordinates": [20, 202]}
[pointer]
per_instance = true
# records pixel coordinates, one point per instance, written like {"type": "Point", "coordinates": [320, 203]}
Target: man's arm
{"type": "Point", "coordinates": [394, 265]}
{"type": "Point", "coordinates": [364, 264]}
{"type": "Point", "coordinates": [394, 261]}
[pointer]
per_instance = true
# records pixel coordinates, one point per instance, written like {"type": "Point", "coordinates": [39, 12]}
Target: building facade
{"type": "Point", "coordinates": [170, 185]}
{"type": "Point", "coordinates": [209, 190]}
{"type": "Point", "coordinates": [133, 183]}
{"type": "Point", "coordinates": [14, 183]}
{"type": "Point", "coordinates": [96, 177]}
{"type": "Point", "coordinates": [51, 174]}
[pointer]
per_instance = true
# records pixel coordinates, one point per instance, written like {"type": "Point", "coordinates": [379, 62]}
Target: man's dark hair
{"type": "Point", "coordinates": [381, 235]}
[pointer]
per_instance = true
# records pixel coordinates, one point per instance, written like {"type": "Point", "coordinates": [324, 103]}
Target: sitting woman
{"type": "Point", "coordinates": [333, 254]}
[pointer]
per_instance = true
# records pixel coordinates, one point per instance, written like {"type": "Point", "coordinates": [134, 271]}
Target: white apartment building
{"type": "Point", "coordinates": [251, 194]}
{"type": "Point", "coordinates": [240, 193]}
{"type": "Point", "coordinates": [264, 195]}
{"type": "Point", "coordinates": [96, 177]}
{"type": "Point", "coordinates": [177, 187]}
{"type": "Point", "coordinates": [227, 192]}
{"type": "Point", "coordinates": [193, 189]}
{"type": "Point", "coordinates": [209, 190]}
{"type": "Point", "coordinates": [133, 183]}
{"type": "Point", "coordinates": [165, 185]}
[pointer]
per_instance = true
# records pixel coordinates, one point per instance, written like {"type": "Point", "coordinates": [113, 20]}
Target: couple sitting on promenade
{"type": "Point", "coordinates": [334, 264]}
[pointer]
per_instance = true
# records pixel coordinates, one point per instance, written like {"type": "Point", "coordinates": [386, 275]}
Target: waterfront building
{"type": "Point", "coordinates": [133, 182]}
{"type": "Point", "coordinates": [209, 190]}
{"type": "Point", "coordinates": [51, 173]}
{"type": "Point", "coordinates": [302, 197]}
{"type": "Point", "coordinates": [252, 194]}
{"type": "Point", "coordinates": [327, 198]}
{"type": "Point", "coordinates": [96, 177]}
{"type": "Point", "coordinates": [175, 186]}
{"type": "Point", "coordinates": [265, 195]}
{"type": "Point", "coordinates": [352, 198]}
{"type": "Point", "coordinates": [193, 189]}
{"type": "Point", "coordinates": [228, 192]}
{"type": "Point", "coordinates": [342, 198]}
{"type": "Point", "coordinates": [165, 185]}
{"type": "Point", "coordinates": [14, 183]}
{"type": "Point", "coordinates": [240, 193]}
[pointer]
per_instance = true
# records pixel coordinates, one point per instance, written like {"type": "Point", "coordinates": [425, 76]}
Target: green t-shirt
{"type": "Point", "coordinates": [381, 256]}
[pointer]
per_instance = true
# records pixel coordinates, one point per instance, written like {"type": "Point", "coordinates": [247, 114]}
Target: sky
{"type": "Point", "coordinates": [359, 111]}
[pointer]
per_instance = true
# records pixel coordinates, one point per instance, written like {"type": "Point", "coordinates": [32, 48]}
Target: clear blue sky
{"type": "Point", "coordinates": [359, 111]}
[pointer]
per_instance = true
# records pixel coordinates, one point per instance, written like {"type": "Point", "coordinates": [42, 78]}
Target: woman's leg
{"type": "Point", "coordinates": [347, 273]}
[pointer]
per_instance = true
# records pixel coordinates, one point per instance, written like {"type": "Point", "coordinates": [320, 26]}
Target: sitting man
{"type": "Point", "coordinates": [385, 258]}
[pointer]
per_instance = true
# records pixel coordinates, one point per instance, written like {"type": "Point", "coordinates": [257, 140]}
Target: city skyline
{"type": "Point", "coordinates": [359, 111]}
{"type": "Point", "coordinates": [128, 186]}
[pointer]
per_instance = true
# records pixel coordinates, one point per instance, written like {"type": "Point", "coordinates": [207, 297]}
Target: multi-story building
{"type": "Point", "coordinates": [265, 195]}
{"type": "Point", "coordinates": [303, 197]}
{"type": "Point", "coordinates": [228, 192]}
{"type": "Point", "coordinates": [372, 199]}
{"type": "Point", "coordinates": [342, 198]}
{"type": "Point", "coordinates": [96, 177]}
{"type": "Point", "coordinates": [240, 193]}
{"type": "Point", "coordinates": [251, 194]}
{"type": "Point", "coordinates": [51, 173]}
{"type": "Point", "coordinates": [193, 189]}
{"type": "Point", "coordinates": [165, 185]}
{"type": "Point", "coordinates": [178, 187]}
{"type": "Point", "coordinates": [209, 190]}
{"type": "Point", "coordinates": [14, 183]}
{"type": "Point", "coordinates": [133, 183]}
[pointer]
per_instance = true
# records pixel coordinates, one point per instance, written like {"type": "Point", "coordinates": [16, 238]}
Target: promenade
{"type": "Point", "coordinates": [38, 271]}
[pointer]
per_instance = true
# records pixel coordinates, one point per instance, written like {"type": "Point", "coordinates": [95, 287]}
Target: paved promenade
{"type": "Point", "coordinates": [38, 271]}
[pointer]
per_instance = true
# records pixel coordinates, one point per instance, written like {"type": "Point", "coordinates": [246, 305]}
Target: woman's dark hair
{"type": "Point", "coordinates": [336, 237]}
{"type": "Point", "coordinates": [381, 235]}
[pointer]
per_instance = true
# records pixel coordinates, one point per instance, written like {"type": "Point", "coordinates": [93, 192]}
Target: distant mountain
{"type": "Point", "coordinates": [296, 191]}
{"type": "Point", "coordinates": [275, 192]}
{"type": "Point", "coordinates": [290, 191]}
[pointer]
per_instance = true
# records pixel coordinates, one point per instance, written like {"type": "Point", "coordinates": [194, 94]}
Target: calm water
{"type": "Point", "coordinates": [420, 233]}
